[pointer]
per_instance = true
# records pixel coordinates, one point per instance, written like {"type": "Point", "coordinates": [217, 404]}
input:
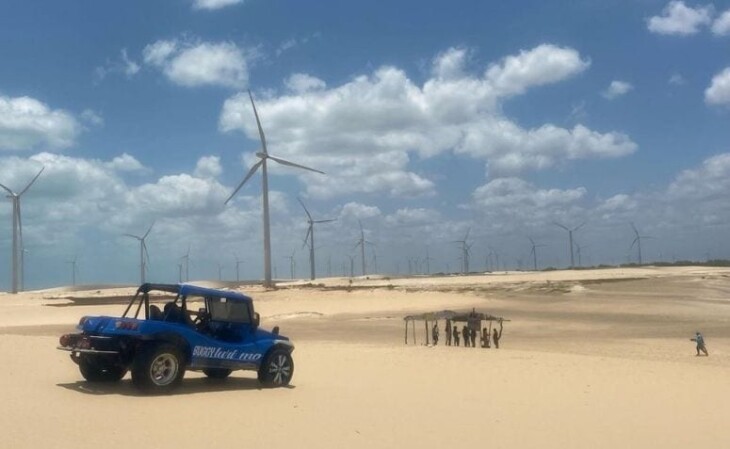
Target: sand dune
{"type": "Point", "coordinates": [594, 358]}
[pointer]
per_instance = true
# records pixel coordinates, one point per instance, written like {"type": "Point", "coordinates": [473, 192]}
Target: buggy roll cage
{"type": "Point", "coordinates": [181, 292]}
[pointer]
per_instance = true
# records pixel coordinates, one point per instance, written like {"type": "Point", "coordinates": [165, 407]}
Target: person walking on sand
{"type": "Point", "coordinates": [456, 336]}
{"type": "Point", "coordinates": [496, 336]}
{"type": "Point", "coordinates": [700, 344]}
{"type": "Point", "coordinates": [448, 332]}
{"type": "Point", "coordinates": [473, 335]}
{"type": "Point", "coordinates": [435, 333]}
{"type": "Point", "coordinates": [465, 334]}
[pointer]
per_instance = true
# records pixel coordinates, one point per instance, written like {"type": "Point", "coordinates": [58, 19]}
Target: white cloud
{"type": "Point", "coordinates": [413, 217]}
{"type": "Point", "coordinates": [91, 117]}
{"type": "Point", "coordinates": [680, 19]}
{"type": "Point", "coordinates": [718, 93]}
{"type": "Point", "coordinates": [362, 133]}
{"type": "Point", "coordinates": [123, 65]}
{"type": "Point", "coordinates": [214, 4]}
{"type": "Point", "coordinates": [26, 123]}
{"type": "Point", "coordinates": [208, 167]}
{"type": "Point", "coordinates": [616, 89]}
{"type": "Point", "coordinates": [358, 211]}
{"type": "Point", "coordinates": [193, 63]}
{"type": "Point", "coordinates": [126, 163]}
{"type": "Point", "coordinates": [301, 82]}
{"type": "Point", "coordinates": [544, 64]}
{"type": "Point", "coordinates": [721, 25]}
{"type": "Point", "coordinates": [677, 79]}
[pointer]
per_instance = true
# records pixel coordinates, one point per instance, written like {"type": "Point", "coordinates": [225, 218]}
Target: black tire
{"type": "Point", "coordinates": [277, 369]}
{"type": "Point", "coordinates": [158, 368]}
{"type": "Point", "coordinates": [217, 373]}
{"type": "Point", "coordinates": [96, 369]}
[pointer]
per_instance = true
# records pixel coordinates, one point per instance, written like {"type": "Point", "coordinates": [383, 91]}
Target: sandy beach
{"type": "Point", "coordinates": [590, 358]}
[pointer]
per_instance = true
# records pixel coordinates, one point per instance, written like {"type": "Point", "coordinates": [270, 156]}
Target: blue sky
{"type": "Point", "coordinates": [429, 118]}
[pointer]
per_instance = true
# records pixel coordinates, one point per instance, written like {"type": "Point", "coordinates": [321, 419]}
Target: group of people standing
{"type": "Point", "coordinates": [468, 334]}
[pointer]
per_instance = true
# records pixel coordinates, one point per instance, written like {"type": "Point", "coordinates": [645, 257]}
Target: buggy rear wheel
{"type": "Point", "coordinates": [158, 368]}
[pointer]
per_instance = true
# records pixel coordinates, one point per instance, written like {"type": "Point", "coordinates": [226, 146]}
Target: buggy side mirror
{"type": "Point", "coordinates": [256, 319]}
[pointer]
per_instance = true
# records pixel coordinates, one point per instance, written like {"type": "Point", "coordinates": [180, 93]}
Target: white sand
{"type": "Point", "coordinates": [588, 361]}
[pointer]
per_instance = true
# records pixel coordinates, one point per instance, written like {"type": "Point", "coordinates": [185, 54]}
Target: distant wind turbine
{"type": "Point", "coordinates": [292, 263]}
{"type": "Point", "coordinates": [352, 265]}
{"type": "Point", "coordinates": [263, 155]}
{"type": "Point", "coordinates": [144, 256]}
{"type": "Point", "coordinates": [72, 262]}
{"type": "Point", "coordinates": [570, 238]}
{"type": "Point", "coordinates": [637, 240]}
{"type": "Point", "coordinates": [186, 259]}
{"type": "Point", "coordinates": [238, 270]}
{"type": "Point", "coordinates": [428, 260]}
{"type": "Point", "coordinates": [533, 252]}
{"type": "Point", "coordinates": [361, 243]}
{"type": "Point", "coordinates": [578, 251]}
{"type": "Point", "coordinates": [465, 248]}
{"type": "Point", "coordinates": [310, 238]}
{"type": "Point", "coordinates": [17, 248]}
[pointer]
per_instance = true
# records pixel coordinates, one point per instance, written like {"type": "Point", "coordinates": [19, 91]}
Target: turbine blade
{"type": "Point", "coordinates": [324, 221]}
{"type": "Point", "coordinates": [148, 231]}
{"type": "Point", "coordinates": [305, 208]}
{"type": "Point", "coordinates": [10, 192]}
{"type": "Point", "coordinates": [292, 164]}
{"type": "Point", "coordinates": [558, 224]}
{"type": "Point", "coordinates": [32, 181]}
{"type": "Point", "coordinates": [248, 175]}
{"type": "Point", "coordinates": [531, 241]}
{"type": "Point", "coordinates": [579, 226]}
{"type": "Point", "coordinates": [20, 225]}
{"type": "Point", "coordinates": [468, 230]}
{"type": "Point", "coordinates": [306, 238]}
{"type": "Point", "coordinates": [633, 243]}
{"type": "Point", "coordinates": [258, 123]}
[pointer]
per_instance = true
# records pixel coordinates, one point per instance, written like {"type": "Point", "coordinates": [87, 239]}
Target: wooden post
{"type": "Point", "coordinates": [414, 333]}
{"type": "Point", "coordinates": [426, 323]}
{"type": "Point", "coordinates": [406, 331]}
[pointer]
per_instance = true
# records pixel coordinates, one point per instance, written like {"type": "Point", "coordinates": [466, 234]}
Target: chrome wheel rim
{"type": "Point", "coordinates": [280, 369]}
{"type": "Point", "coordinates": [163, 369]}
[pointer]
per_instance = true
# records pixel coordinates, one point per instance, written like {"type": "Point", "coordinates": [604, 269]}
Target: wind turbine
{"type": "Point", "coordinates": [352, 265]}
{"type": "Point", "coordinates": [310, 238]}
{"type": "Point", "coordinates": [361, 243]}
{"type": "Point", "coordinates": [17, 248]}
{"type": "Point", "coordinates": [579, 248]}
{"type": "Point", "coordinates": [144, 256]}
{"type": "Point", "coordinates": [570, 238]}
{"type": "Point", "coordinates": [72, 262]}
{"type": "Point", "coordinates": [186, 259]}
{"type": "Point", "coordinates": [263, 155]}
{"type": "Point", "coordinates": [533, 252]}
{"type": "Point", "coordinates": [238, 271]}
{"type": "Point", "coordinates": [292, 263]}
{"type": "Point", "coordinates": [428, 260]}
{"type": "Point", "coordinates": [637, 240]}
{"type": "Point", "coordinates": [465, 247]}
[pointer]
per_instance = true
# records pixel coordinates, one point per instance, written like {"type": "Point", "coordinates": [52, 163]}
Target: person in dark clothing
{"type": "Point", "coordinates": [465, 334]}
{"type": "Point", "coordinates": [496, 336]}
{"type": "Point", "coordinates": [435, 333]}
{"type": "Point", "coordinates": [700, 344]}
{"type": "Point", "coordinates": [485, 338]}
{"type": "Point", "coordinates": [455, 334]}
{"type": "Point", "coordinates": [448, 332]}
{"type": "Point", "coordinates": [473, 336]}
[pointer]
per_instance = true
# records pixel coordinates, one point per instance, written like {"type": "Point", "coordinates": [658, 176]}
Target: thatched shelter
{"type": "Point", "coordinates": [473, 319]}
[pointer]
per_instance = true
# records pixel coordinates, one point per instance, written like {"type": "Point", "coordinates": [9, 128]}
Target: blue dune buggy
{"type": "Point", "coordinates": [158, 345]}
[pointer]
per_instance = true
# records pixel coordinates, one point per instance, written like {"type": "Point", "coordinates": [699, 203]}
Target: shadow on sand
{"type": "Point", "coordinates": [188, 386]}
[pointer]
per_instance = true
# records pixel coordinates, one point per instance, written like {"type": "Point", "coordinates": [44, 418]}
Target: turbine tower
{"type": "Point", "coordinates": [292, 263]}
{"type": "Point", "coordinates": [637, 240]}
{"type": "Point", "coordinates": [310, 238]}
{"type": "Point", "coordinates": [144, 256]}
{"type": "Point", "coordinates": [17, 248]}
{"type": "Point", "coordinates": [533, 252]}
{"type": "Point", "coordinates": [570, 238]}
{"type": "Point", "coordinates": [263, 155]}
{"type": "Point", "coordinates": [238, 271]}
